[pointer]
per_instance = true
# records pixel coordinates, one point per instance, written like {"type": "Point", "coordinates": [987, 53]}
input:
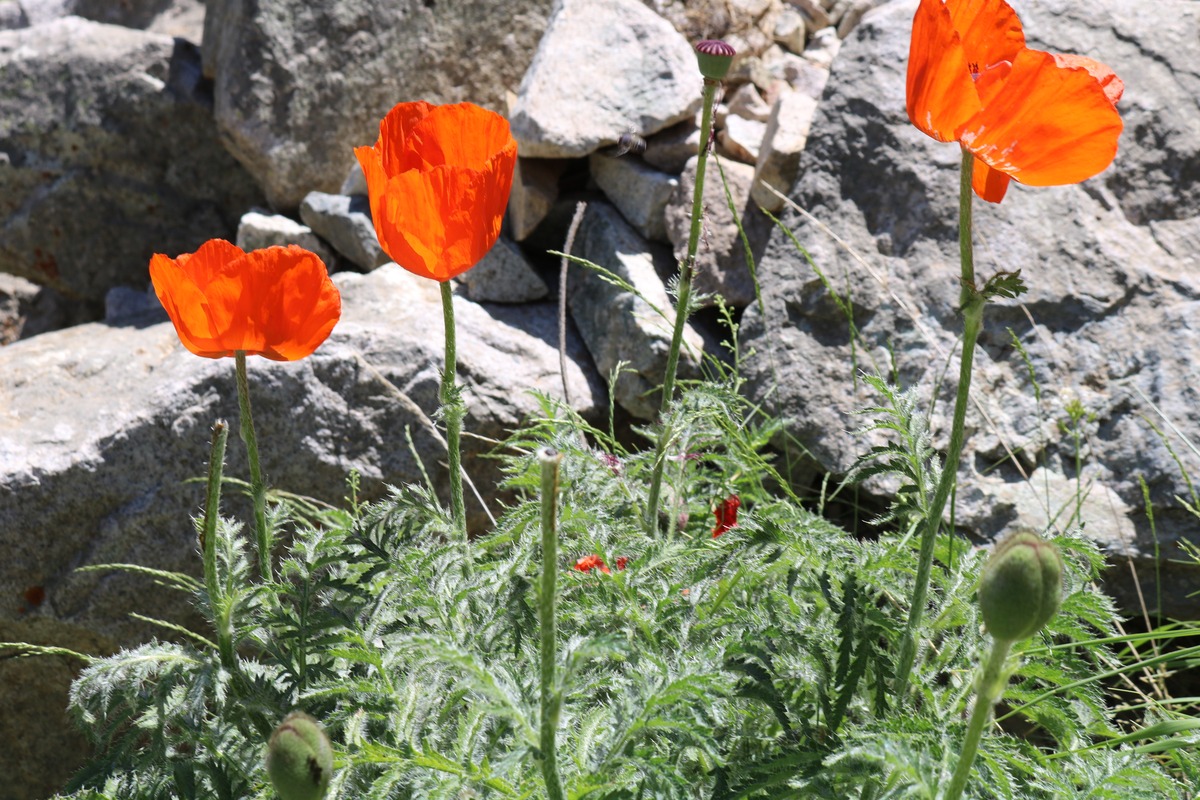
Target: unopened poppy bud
{"type": "Point", "coordinates": [715, 57]}
{"type": "Point", "coordinates": [299, 758]}
{"type": "Point", "coordinates": [1021, 586]}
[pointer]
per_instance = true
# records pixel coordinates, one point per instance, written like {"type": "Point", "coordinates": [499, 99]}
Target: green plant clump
{"type": "Point", "coordinates": [756, 663]}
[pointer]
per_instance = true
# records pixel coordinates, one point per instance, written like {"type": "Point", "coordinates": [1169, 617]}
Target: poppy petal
{"type": "Point", "coordinates": [276, 302]}
{"type": "Point", "coordinates": [439, 178]}
{"type": "Point", "coordinates": [989, 30]}
{"type": "Point", "coordinates": [1113, 86]}
{"type": "Point", "coordinates": [941, 94]}
{"type": "Point", "coordinates": [990, 184]}
{"type": "Point", "coordinates": [1049, 126]}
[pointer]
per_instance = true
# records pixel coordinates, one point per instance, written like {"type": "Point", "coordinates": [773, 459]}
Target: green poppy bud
{"type": "Point", "coordinates": [1021, 586]}
{"type": "Point", "coordinates": [715, 57]}
{"type": "Point", "coordinates": [299, 758]}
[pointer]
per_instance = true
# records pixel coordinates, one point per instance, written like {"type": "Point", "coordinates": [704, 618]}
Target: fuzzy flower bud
{"type": "Point", "coordinates": [715, 57]}
{"type": "Point", "coordinates": [299, 758]}
{"type": "Point", "coordinates": [1021, 586]}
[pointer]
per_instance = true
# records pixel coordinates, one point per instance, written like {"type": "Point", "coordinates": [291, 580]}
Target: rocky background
{"type": "Point", "coordinates": [129, 127]}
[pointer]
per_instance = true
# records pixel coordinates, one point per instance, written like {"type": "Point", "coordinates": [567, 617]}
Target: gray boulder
{"type": "Point", "coordinates": [102, 427]}
{"type": "Point", "coordinates": [1108, 323]}
{"type": "Point", "coordinates": [721, 266]}
{"type": "Point", "coordinates": [345, 222]}
{"type": "Point", "coordinates": [592, 80]}
{"type": "Point", "coordinates": [504, 275]}
{"type": "Point", "coordinates": [621, 327]}
{"type": "Point", "coordinates": [299, 83]}
{"type": "Point", "coordinates": [113, 156]}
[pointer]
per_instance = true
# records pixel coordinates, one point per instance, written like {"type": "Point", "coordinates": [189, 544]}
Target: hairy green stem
{"type": "Point", "coordinates": [208, 544]}
{"type": "Point", "coordinates": [257, 487]}
{"type": "Point", "coordinates": [551, 701]}
{"type": "Point", "coordinates": [453, 410]}
{"type": "Point", "coordinates": [972, 311]}
{"type": "Point", "coordinates": [988, 689]}
{"type": "Point", "coordinates": [682, 305]}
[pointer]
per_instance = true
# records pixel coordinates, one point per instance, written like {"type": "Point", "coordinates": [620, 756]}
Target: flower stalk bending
{"type": "Point", "coordinates": [972, 311]}
{"type": "Point", "coordinates": [682, 305]}
{"type": "Point", "coordinates": [257, 487]}
{"type": "Point", "coordinates": [551, 701]}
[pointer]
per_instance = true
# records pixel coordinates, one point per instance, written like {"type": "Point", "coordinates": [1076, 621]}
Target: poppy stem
{"type": "Point", "coordinates": [551, 700]}
{"type": "Point", "coordinates": [257, 487]}
{"type": "Point", "coordinates": [972, 311]}
{"type": "Point", "coordinates": [208, 545]}
{"type": "Point", "coordinates": [452, 408]}
{"type": "Point", "coordinates": [682, 305]}
{"type": "Point", "coordinates": [988, 688]}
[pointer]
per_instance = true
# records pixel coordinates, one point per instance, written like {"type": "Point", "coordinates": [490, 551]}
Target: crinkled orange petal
{"type": "Point", "coordinates": [990, 184]}
{"type": "Point", "coordinates": [1113, 86]}
{"type": "Point", "coordinates": [277, 302]}
{"type": "Point", "coordinates": [441, 213]}
{"type": "Point", "coordinates": [989, 30]}
{"type": "Point", "coordinates": [1049, 126]}
{"type": "Point", "coordinates": [940, 94]}
{"type": "Point", "coordinates": [202, 317]}
{"type": "Point", "coordinates": [289, 302]}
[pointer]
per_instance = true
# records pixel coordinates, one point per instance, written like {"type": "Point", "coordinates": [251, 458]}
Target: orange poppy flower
{"type": "Point", "coordinates": [439, 179]}
{"type": "Point", "coordinates": [1039, 118]}
{"type": "Point", "coordinates": [276, 302]}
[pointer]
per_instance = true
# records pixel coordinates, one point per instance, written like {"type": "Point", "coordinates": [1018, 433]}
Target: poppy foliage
{"type": "Point", "coordinates": [277, 302]}
{"type": "Point", "coordinates": [1040, 118]}
{"type": "Point", "coordinates": [439, 178]}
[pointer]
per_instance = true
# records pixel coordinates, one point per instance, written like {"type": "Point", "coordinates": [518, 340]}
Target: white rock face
{"type": "Point", "coordinates": [604, 67]}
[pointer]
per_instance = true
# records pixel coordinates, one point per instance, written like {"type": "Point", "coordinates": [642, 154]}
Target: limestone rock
{"type": "Point", "coordinates": [604, 67]}
{"type": "Point", "coordinates": [823, 48]}
{"type": "Point", "coordinates": [535, 188]}
{"type": "Point", "coordinates": [323, 73]}
{"type": "Point", "coordinates": [504, 276]}
{"type": "Point", "coordinates": [345, 222]}
{"type": "Point", "coordinates": [1112, 297]}
{"type": "Point", "coordinates": [617, 325]}
{"type": "Point", "coordinates": [742, 138]}
{"type": "Point", "coordinates": [258, 230]}
{"type": "Point", "coordinates": [670, 150]}
{"type": "Point", "coordinates": [814, 13]}
{"type": "Point", "coordinates": [790, 30]}
{"type": "Point", "coordinates": [113, 156]}
{"type": "Point", "coordinates": [779, 157]}
{"type": "Point", "coordinates": [747, 103]}
{"type": "Point", "coordinates": [720, 259]}
{"type": "Point", "coordinates": [639, 192]}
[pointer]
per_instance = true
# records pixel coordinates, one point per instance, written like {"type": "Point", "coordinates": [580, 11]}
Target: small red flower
{"type": "Point", "coordinates": [621, 562]}
{"type": "Point", "coordinates": [726, 514]}
{"type": "Point", "coordinates": [594, 561]}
